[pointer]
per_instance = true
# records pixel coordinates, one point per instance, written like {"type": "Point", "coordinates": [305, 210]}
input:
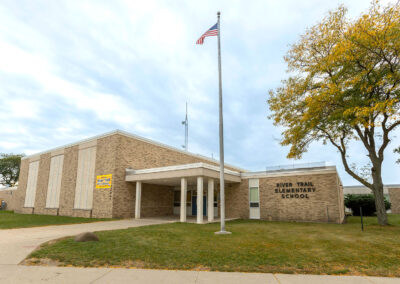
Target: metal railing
{"type": "Point", "coordinates": [296, 166]}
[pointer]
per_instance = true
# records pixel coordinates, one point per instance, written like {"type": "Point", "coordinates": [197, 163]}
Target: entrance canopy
{"type": "Point", "coordinates": [172, 175]}
{"type": "Point", "coordinates": [182, 175]}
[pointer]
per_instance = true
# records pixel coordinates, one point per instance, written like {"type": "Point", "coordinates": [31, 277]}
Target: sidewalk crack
{"type": "Point", "coordinates": [369, 280]}
{"type": "Point", "coordinates": [276, 278]}
{"type": "Point", "coordinates": [197, 277]}
{"type": "Point", "coordinates": [101, 276]}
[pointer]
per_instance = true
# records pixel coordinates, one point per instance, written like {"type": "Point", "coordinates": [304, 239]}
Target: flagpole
{"type": "Point", "coordinates": [221, 136]}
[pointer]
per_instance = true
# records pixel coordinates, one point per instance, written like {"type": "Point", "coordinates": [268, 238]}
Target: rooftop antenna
{"type": "Point", "coordinates": [186, 123]}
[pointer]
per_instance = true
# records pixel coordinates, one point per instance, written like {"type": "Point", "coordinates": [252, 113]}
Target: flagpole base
{"type": "Point", "coordinates": [223, 233]}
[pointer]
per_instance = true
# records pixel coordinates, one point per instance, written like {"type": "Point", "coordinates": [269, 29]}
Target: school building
{"type": "Point", "coordinates": [121, 175]}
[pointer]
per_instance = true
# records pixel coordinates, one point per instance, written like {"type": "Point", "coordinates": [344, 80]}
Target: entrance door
{"type": "Point", "coordinates": [254, 198]}
{"type": "Point", "coordinates": [194, 205]}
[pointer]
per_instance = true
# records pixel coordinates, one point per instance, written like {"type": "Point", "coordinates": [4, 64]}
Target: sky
{"type": "Point", "coordinates": [73, 69]}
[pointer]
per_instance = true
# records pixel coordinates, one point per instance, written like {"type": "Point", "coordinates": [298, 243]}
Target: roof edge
{"type": "Point", "coordinates": [180, 167]}
{"type": "Point", "coordinates": [134, 136]}
{"type": "Point", "coordinates": [363, 186]}
{"type": "Point", "coordinates": [261, 174]}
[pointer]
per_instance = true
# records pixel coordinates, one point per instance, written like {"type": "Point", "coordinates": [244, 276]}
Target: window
{"type": "Point", "coordinates": [31, 185]}
{"type": "Point", "coordinates": [215, 198]}
{"type": "Point", "coordinates": [54, 186]}
{"type": "Point", "coordinates": [177, 198]}
{"type": "Point", "coordinates": [85, 178]}
{"type": "Point", "coordinates": [189, 198]}
{"type": "Point", "coordinates": [254, 197]}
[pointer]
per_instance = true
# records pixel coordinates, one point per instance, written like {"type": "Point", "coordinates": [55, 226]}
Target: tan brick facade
{"type": "Point", "coordinates": [105, 164]}
{"type": "Point", "coordinates": [394, 196]}
{"type": "Point", "coordinates": [237, 200]}
{"type": "Point", "coordinates": [42, 185]}
{"type": "Point", "coordinates": [21, 191]}
{"type": "Point", "coordinates": [68, 182]}
{"type": "Point", "coordinates": [9, 197]}
{"type": "Point", "coordinates": [114, 153]}
{"type": "Point", "coordinates": [137, 154]}
{"type": "Point", "coordinates": [323, 205]}
{"type": "Point", "coordinates": [117, 152]}
{"type": "Point", "coordinates": [157, 200]}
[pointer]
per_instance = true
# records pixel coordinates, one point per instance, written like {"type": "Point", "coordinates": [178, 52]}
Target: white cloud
{"type": "Point", "coordinates": [71, 69]}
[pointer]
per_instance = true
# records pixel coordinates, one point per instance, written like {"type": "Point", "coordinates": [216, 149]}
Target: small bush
{"type": "Point", "coordinates": [366, 201]}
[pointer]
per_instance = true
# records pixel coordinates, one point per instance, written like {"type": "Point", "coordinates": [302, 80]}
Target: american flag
{"type": "Point", "coordinates": [213, 31]}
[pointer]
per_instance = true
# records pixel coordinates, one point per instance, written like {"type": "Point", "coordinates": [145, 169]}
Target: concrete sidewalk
{"type": "Point", "coordinates": [40, 274]}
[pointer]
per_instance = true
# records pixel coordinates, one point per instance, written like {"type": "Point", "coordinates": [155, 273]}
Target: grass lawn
{"type": "Point", "coordinates": [254, 246]}
{"type": "Point", "coordinates": [10, 220]}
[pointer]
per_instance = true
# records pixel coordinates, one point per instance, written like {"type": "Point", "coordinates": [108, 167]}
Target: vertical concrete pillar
{"type": "Point", "coordinates": [138, 200]}
{"type": "Point", "coordinates": [183, 199]}
{"type": "Point", "coordinates": [210, 200]}
{"type": "Point", "coordinates": [199, 200]}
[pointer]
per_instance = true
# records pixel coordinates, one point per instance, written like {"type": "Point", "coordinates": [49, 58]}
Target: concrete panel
{"type": "Point", "coordinates": [148, 276]}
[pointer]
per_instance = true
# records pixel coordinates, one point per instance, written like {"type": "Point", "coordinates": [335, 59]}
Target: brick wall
{"type": "Point", "coordinates": [157, 200]}
{"type": "Point", "coordinates": [68, 182]}
{"type": "Point", "coordinates": [114, 154]}
{"type": "Point", "coordinates": [22, 183]}
{"type": "Point", "coordinates": [42, 186]}
{"type": "Point", "coordinates": [323, 205]}
{"type": "Point", "coordinates": [137, 155]}
{"type": "Point", "coordinates": [394, 196]}
{"type": "Point", "coordinates": [9, 196]}
{"type": "Point", "coordinates": [237, 200]}
{"type": "Point", "coordinates": [117, 152]}
{"type": "Point", "coordinates": [105, 164]}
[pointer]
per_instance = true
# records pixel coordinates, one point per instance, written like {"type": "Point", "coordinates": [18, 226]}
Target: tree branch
{"type": "Point", "coordinates": [342, 150]}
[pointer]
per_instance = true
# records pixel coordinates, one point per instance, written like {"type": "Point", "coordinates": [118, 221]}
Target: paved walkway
{"type": "Point", "coordinates": [16, 244]}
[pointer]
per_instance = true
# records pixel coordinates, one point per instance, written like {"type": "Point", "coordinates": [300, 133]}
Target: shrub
{"type": "Point", "coordinates": [366, 201]}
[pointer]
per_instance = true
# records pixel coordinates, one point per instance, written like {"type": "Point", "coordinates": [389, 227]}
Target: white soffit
{"type": "Point", "coordinates": [180, 167]}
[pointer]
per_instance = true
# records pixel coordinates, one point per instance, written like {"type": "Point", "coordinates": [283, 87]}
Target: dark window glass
{"type": "Point", "coordinates": [254, 204]}
{"type": "Point", "coordinates": [177, 198]}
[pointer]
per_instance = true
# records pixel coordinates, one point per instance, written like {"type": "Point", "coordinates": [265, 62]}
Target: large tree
{"type": "Point", "coordinates": [343, 85]}
{"type": "Point", "coordinates": [9, 168]}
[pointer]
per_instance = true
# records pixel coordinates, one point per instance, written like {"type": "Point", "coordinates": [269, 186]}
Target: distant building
{"type": "Point", "coordinates": [390, 191]}
{"type": "Point", "coordinates": [118, 174]}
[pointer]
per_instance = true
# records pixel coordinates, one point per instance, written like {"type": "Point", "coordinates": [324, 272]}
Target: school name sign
{"type": "Point", "coordinates": [299, 190]}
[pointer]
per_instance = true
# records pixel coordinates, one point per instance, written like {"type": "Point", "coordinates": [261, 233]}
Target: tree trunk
{"type": "Point", "coordinates": [378, 194]}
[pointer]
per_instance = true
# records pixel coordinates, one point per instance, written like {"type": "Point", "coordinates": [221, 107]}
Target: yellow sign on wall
{"type": "Point", "coordinates": [104, 181]}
